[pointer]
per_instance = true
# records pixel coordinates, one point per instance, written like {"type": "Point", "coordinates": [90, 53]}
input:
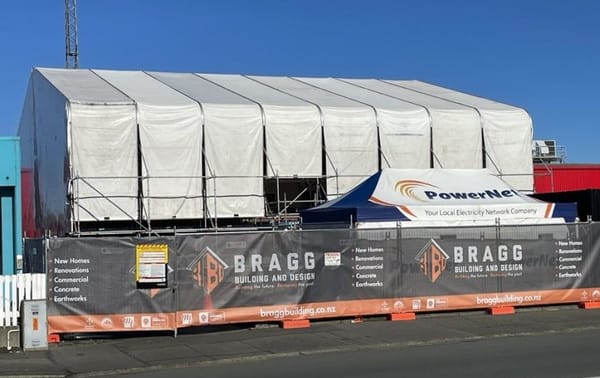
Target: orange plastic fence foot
{"type": "Point", "coordinates": [402, 316]}
{"type": "Point", "coordinates": [53, 338]}
{"type": "Point", "coordinates": [289, 324]}
{"type": "Point", "coordinates": [501, 310]}
{"type": "Point", "coordinates": [589, 305]}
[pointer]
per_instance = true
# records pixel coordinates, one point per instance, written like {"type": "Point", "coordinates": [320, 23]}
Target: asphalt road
{"type": "Point", "coordinates": [558, 341]}
{"type": "Point", "coordinates": [548, 354]}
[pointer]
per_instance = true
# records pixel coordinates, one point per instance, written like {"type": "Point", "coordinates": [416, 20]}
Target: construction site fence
{"type": "Point", "coordinates": [108, 284]}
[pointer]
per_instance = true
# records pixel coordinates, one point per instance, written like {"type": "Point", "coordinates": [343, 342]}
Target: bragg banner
{"type": "Point", "coordinates": [270, 276]}
{"type": "Point", "coordinates": [93, 286]}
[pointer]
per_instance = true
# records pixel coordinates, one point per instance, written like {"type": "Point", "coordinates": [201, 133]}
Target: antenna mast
{"type": "Point", "coordinates": [71, 48]}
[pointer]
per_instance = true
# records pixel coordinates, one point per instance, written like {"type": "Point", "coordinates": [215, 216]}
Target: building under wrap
{"type": "Point", "coordinates": [136, 148]}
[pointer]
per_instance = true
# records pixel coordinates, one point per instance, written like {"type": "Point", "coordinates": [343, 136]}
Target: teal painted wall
{"type": "Point", "coordinates": [10, 204]}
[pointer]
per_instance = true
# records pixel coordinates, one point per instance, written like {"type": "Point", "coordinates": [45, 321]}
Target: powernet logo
{"type": "Point", "coordinates": [488, 194]}
{"type": "Point", "coordinates": [432, 260]}
{"type": "Point", "coordinates": [408, 188]}
{"type": "Point", "coordinates": [422, 191]}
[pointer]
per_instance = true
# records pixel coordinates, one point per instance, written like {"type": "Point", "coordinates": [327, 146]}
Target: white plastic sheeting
{"type": "Point", "coordinates": [233, 146]}
{"type": "Point", "coordinates": [404, 128]}
{"type": "Point", "coordinates": [26, 130]}
{"type": "Point", "coordinates": [74, 148]}
{"type": "Point", "coordinates": [104, 161]}
{"type": "Point", "coordinates": [349, 131]}
{"type": "Point", "coordinates": [170, 145]}
{"type": "Point", "coordinates": [43, 110]}
{"type": "Point", "coordinates": [505, 128]}
{"type": "Point", "coordinates": [292, 127]}
{"type": "Point", "coordinates": [456, 129]}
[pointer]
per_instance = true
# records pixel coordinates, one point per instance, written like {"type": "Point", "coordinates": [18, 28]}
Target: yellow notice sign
{"type": "Point", "coordinates": [151, 265]}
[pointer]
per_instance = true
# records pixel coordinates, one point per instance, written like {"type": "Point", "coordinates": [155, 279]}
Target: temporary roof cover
{"type": "Point", "coordinates": [436, 197]}
{"type": "Point", "coordinates": [123, 145]}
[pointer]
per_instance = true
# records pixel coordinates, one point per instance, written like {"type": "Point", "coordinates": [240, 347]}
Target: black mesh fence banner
{"type": "Point", "coordinates": [92, 286]}
{"type": "Point", "coordinates": [98, 284]}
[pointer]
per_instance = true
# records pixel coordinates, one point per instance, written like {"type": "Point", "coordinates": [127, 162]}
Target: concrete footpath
{"type": "Point", "coordinates": [205, 346]}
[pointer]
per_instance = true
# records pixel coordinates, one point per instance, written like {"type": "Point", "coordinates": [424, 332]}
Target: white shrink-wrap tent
{"type": "Point", "coordinates": [74, 124]}
{"type": "Point", "coordinates": [292, 128]}
{"type": "Point", "coordinates": [404, 128]}
{"type": "Point", "coordinates": [505, 128]}
{"type": "Point", "coordinates": [170, 133]}
{"type": "Point", "coordinates": [349, 133]}
{"type": "Point", "coordinates": [142, 146]}
{"type": "Point", "coordinates": [235, 169]}
{"type": "Point", "coordinates": [455, 132]}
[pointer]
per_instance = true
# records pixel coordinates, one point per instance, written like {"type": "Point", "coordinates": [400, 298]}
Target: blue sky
{"type": "Point", "coordinates": [541, 55]}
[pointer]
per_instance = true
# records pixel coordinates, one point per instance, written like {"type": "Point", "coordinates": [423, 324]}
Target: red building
{"type": "Point", "coordinates": [27, 210]}
{"type": "Point", "coordinates": [570, 183]}
{"type": "Point", "coordinates": [550, 178]}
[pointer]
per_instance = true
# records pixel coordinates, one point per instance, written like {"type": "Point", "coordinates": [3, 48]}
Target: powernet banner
{"type": "Point", "coordinates": [274, 276]}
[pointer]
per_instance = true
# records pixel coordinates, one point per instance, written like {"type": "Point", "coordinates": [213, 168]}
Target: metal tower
{"type": "Point", "coordinates": [71, 49]}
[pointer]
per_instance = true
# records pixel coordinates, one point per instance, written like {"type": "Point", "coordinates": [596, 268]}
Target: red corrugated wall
{"type": "Point", "coordinates": [565, 177]}
{"type": "Point", "coordinates": [27, 214]}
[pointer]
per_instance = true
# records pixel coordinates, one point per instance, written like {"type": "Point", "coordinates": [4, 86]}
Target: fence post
{"type": "Point", "coordinates": [13, 301]}
{"type": "Point", "coordinates": [38, 281]}
{"type": "Point", "coordinates": [2, 300]}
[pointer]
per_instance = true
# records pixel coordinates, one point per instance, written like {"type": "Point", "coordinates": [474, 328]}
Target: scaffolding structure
{"type": "Point", "coordinates": [284, 198]}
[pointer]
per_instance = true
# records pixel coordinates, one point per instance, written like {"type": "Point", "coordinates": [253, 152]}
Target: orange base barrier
{"type": "Point", "coordinates": [501, 310]}
{"type": "Point", "coordinates": [589, 305]}
{"type": "Point", "coordinates": [53, 338]}
{"type": "Point", "coordinates": [402, 316]}
{"type": "Point", "coordinates": [289, 324]}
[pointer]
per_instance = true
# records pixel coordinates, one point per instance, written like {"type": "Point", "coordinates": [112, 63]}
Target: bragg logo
{"type": "Point", "coordinates": [408, 187]}
{"type": "Point", "coordinates": [107, 323]}
{"type": "Point", "coordinates": [432, 260]}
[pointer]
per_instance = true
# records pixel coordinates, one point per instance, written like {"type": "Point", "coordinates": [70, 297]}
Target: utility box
{"type": "Point", "coordinates": [10, 206]}
{"type": "Point", "coordinates": [34, 325]}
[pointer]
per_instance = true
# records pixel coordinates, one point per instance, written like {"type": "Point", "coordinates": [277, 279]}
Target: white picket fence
{"type": "Point", "coordinates": [16, 288]}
